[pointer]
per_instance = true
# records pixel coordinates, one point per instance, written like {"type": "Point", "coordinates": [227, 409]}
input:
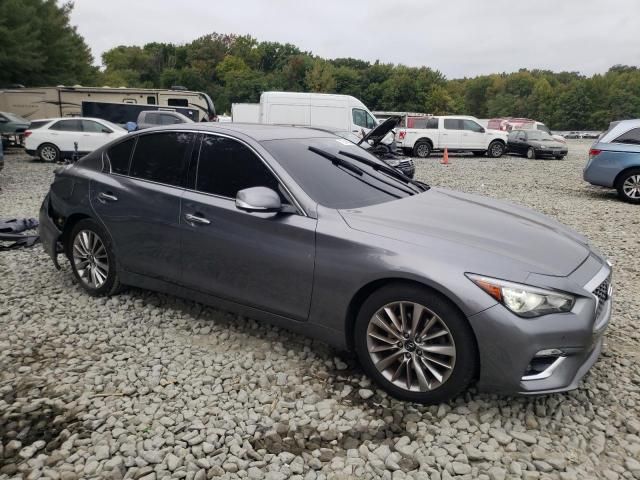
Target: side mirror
{"type": "Point", "coordinates": [106, 130]}
{"type": "Point", "coordinates": [258, 200]}
{"type": "Point", "coordinates": [482, 130]}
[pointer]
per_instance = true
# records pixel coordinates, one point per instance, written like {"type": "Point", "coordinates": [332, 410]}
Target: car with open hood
{"type": "Point", "coordinates": [433, 289]}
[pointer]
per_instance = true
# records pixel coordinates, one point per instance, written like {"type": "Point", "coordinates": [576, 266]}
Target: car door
{"type": "Point", "coordinates": [94, 135]}
{"type": "Point", "coordinates": [473, 135]}
{"type": "Point", "coordinates": [138, 200]}
{"type": "Point", "coordinates": [450, 134]}
{"type": "Point", "coordinates": [65, 133]}
{"type": "Point", "coordinates": [512, 142]}
{"type": "Point", "coordinates": [522, 142]}
{"type": "Point", "coordinates": [264, 261]}
{"type": "Point", "coordinates": [362, 121]}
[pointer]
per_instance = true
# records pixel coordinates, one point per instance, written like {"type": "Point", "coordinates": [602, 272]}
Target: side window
{"type": "Point", "coordinates": [371, 122]}
{"type": "Point", "coordinates": [151, 100]}
{"type": "Point", "coordinates": [522, 136]}
{"type": "Point", "coordinates": [178, 102]}
{"type": "Point", "coordinates": [94, 127]}
{"type": "Point", "coordinates": [168, 119]}
{"type": "Point", "coordinates": [452, 124]}
{"type": "Point", "coordinates": [432, 123]}
{"type": "Point", "coordinates": [161, 157]}
{"type": "Point", "coordinates": [471, 126]}
{"type": "Point", "coordinates": [360, 117]}
{"type": "Point", "coordinates": [419, 123]}
{"type": "Point", "coordinates": [119, 156]}
{"type": "Point", "coordinates": [67, 126]}
{"type": "Point", "coordinates": [632, 137]}
{"type": "Point", "coordinates": [153, 118]}
{"type": "Point", "coordinates": [512, 136]}
{"type": "Point", "coordinates": [227, 166]}
{"type": "Point", "coordinates": [543, 127]}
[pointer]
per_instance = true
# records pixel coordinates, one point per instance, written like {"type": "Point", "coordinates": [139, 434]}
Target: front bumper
{"type": "Point", "coordinates": [550, 152]}
{"type": "Point", "coordinates": [509, 344]}
{"type": "Point", "coordinates": [49, 232]}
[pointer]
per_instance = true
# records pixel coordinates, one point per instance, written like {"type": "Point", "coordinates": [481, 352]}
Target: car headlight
{"type": "Point", "coordinates": [393, 163]}
{"type": "Point", "coordinates": [524, 300]}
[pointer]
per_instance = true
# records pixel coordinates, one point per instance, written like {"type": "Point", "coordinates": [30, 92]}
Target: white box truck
{"type": "Point", "coordinates": [340, 113]}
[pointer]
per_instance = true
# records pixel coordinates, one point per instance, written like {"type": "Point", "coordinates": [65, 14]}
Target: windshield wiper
{"type": "Point", "coordinates": [397, 174]}
{"type": "Point", "coordinates": [357, 170]}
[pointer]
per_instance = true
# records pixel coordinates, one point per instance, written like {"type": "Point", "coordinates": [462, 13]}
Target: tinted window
{"type": "Point", "coordinates": [432, 123]}
{"type": "Point", "coordinates": [471, 126]}
{"type": "Point", "coordinates": [632, 136]}
{"type": "Point", "coordinates": [418, 123]}
{"type": "Point", "coordinates": [161, 157]}
{"type": "Point", "coordinates": [513, 135]}
{"type": "Point", "coordinates": [119, 156]}
{"type": "Point", "coordinates": [67, 126]}
{"type": "Point", "coordinates": [168, 119]}
{"type": "Point", "coordinates": [227, 166]}
{"type": "Point", "coordinates": [151, 100]}
{"type": "Point", "coordinates": [152, 118]}
{"type": "Point", "coordinates": [328, 184]}
{"type": "Point", "coordinates": [452, 124]}
{"type": "Point", "coordinates": [178, 102]}
{"type": "Point", "coordinates": [543, 127]}
{"type": "Point", "coordinates": [362, 118]}
{"type": "Point", "coordinates": [91, 126]}
{"type": "Point", "coordinates": [36, 125]}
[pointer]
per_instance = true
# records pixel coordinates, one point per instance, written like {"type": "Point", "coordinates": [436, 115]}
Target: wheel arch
{"type": "Point", "coordinates": [423, 139]}
{"type": "Point", "coordinates": [621, 174]}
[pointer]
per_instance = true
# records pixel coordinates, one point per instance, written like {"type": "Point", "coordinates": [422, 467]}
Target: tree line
{"type": "Point", "coordinates": [42, 48]}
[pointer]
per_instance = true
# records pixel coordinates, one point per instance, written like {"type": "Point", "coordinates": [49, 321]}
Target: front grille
{"type": "Point", "coordinates": [602, 294]}
{"type": "Point", "coordinates": [406, 163]}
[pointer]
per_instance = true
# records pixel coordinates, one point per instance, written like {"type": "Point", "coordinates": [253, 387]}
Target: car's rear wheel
{"type": "Point", "coordinates": [48, 152]}
{"type": "Point", "coordinates": [496, 149]}
{"type": "Point", "coordinates": [531, 153]}
{"type": "Point", "coordinates": [628, 186]}
{"type": "Point", "coordinates": [92, 259]}
{"type": "Point", "coordinates": [422, 149]}
{"type": "Point", "coordinates": [415, 344]}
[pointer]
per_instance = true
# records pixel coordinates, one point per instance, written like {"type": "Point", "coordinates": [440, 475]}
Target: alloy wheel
{"type": "Point", "coordinates": [631, 187]}
{"type": "Point", "coordinates": [411, 346]}
{"type": "Point", "coordinates": [48, 153]}
{"type": "Point", "coordinates": [90, 259]}
{"type": "Point", "coordinates": [423, 150]}
{"type": "Point", "coordinates": [496, 150]}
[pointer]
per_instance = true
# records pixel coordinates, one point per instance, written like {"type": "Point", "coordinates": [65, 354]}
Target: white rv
{"type": "Point", "coordinates": [323, 110]}
{"type": "Point", "coordinates": [49, 102]}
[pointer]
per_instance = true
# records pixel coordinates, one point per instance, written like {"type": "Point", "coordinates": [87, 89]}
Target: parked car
{"type": "Point", "coordinates": [535, 144]}
{"type": "Point", "coordinates": [614, 160]}
{"type": "Point", "coordinates": [340, 112]}
{"type": "Point", "coordinates": [55, 139]}
{"type": "Point", "coordinates": [123, 113]}
{"type": "Point", "coordinates": [432, 288]}
{"type": "Point", "coordinates": [12, 128]}
{"type": "Point", "coordinates": [155, 118]}
{"type": "Point", "coordinates": [375, 142]}
{"type": "Point", "coordinates": [573, 135]}
{"type": "Point", "coordinates": [456, 133]}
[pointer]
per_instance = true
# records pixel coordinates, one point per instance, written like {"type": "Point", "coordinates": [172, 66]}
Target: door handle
{"type": "Point", "coordinates": [107, 197]}
{"type": "Point", "coordinates": [196, 219]}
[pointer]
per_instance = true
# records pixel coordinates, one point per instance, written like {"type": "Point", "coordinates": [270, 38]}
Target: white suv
{"type": "Point", "coordinates": [456, 133]}
{"type": "Point", "coordinates": [55, 138]}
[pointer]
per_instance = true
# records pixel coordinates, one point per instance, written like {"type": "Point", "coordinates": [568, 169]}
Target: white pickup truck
{"type": "Point", "coordinates": [456, 133]}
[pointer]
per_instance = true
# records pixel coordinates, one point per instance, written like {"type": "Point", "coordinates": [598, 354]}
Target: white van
{"type": "Point", "coordinates": [323, 110]}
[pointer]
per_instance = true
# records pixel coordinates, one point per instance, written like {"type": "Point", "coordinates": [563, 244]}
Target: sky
{"type": "Point", "coordinates": [457, 37]}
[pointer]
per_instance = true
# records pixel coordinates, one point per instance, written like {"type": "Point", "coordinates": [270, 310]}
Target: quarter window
{"type": "Point", "coordinates": [227, 166]}
{"type": "Point", "coordinates": [161, 157]}
{"type": "Point", "coordinates": [453, 124]}
{"type": "Point", "coordinates": [67, 126]}
{"type": "Point", "coordinates": [119, 156]}
{"type": "Point", "coordinates": [632, 137]}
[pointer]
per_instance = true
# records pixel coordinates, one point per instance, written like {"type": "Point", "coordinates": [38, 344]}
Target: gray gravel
{"type": "Point", "coordinates": [148, 386]}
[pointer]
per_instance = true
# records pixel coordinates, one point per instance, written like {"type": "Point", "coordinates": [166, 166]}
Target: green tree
{"type": "Point", "coordinates": [321, 77]}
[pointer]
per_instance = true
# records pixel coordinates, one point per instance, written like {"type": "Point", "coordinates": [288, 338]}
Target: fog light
{"type": "Point", "coordinates": [543, 364]}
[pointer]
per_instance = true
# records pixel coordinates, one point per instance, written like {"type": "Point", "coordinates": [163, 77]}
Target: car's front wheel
{"type": "Point", "coordinates": [48, 152]}
{"type": "Point", "coordinates": [89, 250]}
{"type": "Point", "coordinates": [628, 186]}
{"type": "Point", "coordinates": [415, 344]}
{"type": "Point", "coordinates": [496, 149]}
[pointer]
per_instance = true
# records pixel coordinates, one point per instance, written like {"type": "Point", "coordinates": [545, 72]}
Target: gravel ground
{"type": "Point", "coordinates": [148, 386]}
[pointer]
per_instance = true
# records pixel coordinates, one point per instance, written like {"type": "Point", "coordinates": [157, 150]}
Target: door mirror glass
{"type": "Point", "coordinates": [259, 200]}
{"type": "Point", "coordinates": [106, 130]}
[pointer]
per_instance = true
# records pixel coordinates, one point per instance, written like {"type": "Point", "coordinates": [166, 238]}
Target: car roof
{"type": "Point", "coordinates": [623, 126]}
{"type": "Point", "coordinates": [66, 118]}
{"type": "Point", "coordinates": [258, 132]}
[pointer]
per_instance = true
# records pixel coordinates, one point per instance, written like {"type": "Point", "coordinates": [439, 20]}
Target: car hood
{"type": "Point", "coordinates": [540, 244]}
{"type": "Point", "coordinates": [547, 143]}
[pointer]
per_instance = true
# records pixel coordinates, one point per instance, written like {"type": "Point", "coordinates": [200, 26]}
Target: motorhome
{"type": "Point", "coordinates": [339, 112]}
{"type": "Point", "coordinates": [48, 102]}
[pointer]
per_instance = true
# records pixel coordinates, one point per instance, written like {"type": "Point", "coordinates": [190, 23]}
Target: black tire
{"type": "Point", "coordinates": [531, 154]}
{"type": "Point", "coordinates": [48, 152]}
{"type": "Point", "coordinates": [466, 354]}
{"type": "Point", "coordinates": [496, 149]}
{"type": "Point", "coordinates": [111, 284]}
{"type": "Point", "coordinates": [631, 176]}
{"type": "Point", "coordinates": [479, 154]}
{"type": "Point", "coordinates": [559, 157]}
{"type": "Point", "coordinates": [422, 149]}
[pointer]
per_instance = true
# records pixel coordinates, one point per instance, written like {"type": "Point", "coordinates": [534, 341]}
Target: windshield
{"type": "Point", "coordinates": [331, 184]}
{"type": "Point", "coordinates": [538, 135]}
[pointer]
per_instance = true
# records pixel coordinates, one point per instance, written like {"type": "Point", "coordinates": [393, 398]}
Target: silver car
{"type": "Point", "coordinates": [433, 289]}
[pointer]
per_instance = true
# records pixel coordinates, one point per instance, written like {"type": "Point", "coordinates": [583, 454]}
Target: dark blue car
{"type": "Point", "coordinates": [614, 160]}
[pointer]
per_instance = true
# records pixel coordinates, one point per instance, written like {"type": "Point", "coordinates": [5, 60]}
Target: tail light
{"type": "Point", "coordinates": [402, 134]}
{"type": "Point", "coordinates": [594, 152]}
{"type": "Point", "coordinates": [27, 133]}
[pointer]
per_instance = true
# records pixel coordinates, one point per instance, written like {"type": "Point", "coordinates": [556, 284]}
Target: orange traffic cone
{"type": "Point", "coordinates": [445, 157]}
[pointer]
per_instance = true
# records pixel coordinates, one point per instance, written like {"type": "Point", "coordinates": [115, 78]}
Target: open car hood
{"type": "Point", "coordinates": [378, 133]}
